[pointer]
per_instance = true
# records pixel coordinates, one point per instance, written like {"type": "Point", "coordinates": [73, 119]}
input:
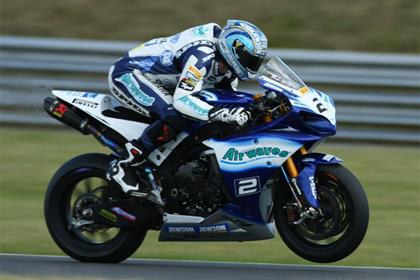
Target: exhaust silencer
{"type": "Point", "coordinates": [62, 112]}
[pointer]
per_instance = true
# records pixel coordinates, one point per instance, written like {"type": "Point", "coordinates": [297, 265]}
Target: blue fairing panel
{"type": "Point", "coordinates": [225, 97]}
{"type": "Point", "coordinates": [248, 162]}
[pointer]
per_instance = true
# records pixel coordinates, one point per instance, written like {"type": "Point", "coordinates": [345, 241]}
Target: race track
{"type": "Point", "coordinates": [64, 267]}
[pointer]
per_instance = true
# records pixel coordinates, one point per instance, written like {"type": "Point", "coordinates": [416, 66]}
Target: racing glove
{"type": "Point", "coordinates": [237, 115]}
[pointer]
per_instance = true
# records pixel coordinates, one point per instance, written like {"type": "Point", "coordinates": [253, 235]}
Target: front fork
{"type": "Point", "coordinates": [304, 207]}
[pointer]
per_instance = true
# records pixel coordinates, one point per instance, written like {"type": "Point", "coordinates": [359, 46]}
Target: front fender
{"type": "Point", "coordinates": [317, 159]}
{"type": "Point", "coordinates": [306, 179]}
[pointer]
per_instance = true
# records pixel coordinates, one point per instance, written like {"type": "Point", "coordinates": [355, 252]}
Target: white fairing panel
{"type": "Point", "coordinates": [305, 97]}
{"type": "Point", "coordinates": [318, 102]}
{"type": "Point", "coordinates": [242, 154]}
{"type": "Point", "coordinates": [94, 104]}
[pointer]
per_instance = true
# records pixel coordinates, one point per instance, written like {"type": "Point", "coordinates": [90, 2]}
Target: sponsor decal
{"type": "Point", "coordinates": [122, 213]}
{"type": "Point", "coordinates": [108, 215]}
{"type": "Point", "coordinates": [193, 73]}
{"type": "Point", "coordinates": [313, 186]}
{"type": "Point", "coordinates": [213, 228]}
{"type": "Point", "coordinates": [187, 84]}
{"type": "Point", "coordinates": [131, 103]}
{"type": "Point", "coordinates": [192, 44]}
{"type": "Point", "coordinates": [209, 96]}
{"type": "Point", "coordinates": [174, 38]}
{"type": "Point", "coordinates": [247, 186]}
{"type": "Point", "coordinates": [303, 90]}
{"type": "Point", "coordinates": [180, 229]}
{"type": "Point", "coordinates": [145, 64]}
{"type": "Point", "coordinates": [296, 187]}
{"type": "Point", "coordinates": [258, 40]}
{"type": "Point", "coordinates": [199, 30]}
{"type": "Point", "coordinates": [86, 103]}
{"type": "Point", "coordinates": [233, 155]}
{"type": "Point", "coordinates": [155, 41]}
{"type": "Point", "coordinates": [195, 107]}
{"type": "Point", "coordinates": [82, 94]}
{"type": "Point", "coordinates": [60, 110]}
{"type": "Point", "coordinates": [89, 94]}
{"type": "Point", "coordinates": [133, 87]}
{"type": "Point", "coordinates": [207, 58]}
{"type": "Point", "coordinates": [216, 228]}
{"type": "Point", "coordinates": [328, 157]}
{"type": "Point", "coordinates": [166, 58]}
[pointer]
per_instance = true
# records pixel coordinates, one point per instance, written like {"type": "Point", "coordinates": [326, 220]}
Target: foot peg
{"type": "Point", "coordinates": [156, 189]}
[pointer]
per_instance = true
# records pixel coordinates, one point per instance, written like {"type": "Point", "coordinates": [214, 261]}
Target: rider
{"type": "Point", "coordinates": [161, 78]}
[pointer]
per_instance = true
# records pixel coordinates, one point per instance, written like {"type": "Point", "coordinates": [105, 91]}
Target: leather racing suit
{"type": "Point", "coordinates": [161, 78]}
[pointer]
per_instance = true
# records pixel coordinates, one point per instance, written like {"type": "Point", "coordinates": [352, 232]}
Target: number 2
{"type": "Point", "coordinates": [247, 186]}
{"type": "Point", "coordinates": [319, 106]}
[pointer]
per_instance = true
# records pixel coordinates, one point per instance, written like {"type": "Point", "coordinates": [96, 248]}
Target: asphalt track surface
{"type": "Point", "coordinates": [50, 267]}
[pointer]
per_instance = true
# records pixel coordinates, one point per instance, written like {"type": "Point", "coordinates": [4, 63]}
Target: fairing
{"type": "Point", "coordinates": [94, 104]}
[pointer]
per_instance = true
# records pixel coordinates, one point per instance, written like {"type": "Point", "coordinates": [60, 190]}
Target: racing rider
{"type": "Point", "coordinates": [161, 79]}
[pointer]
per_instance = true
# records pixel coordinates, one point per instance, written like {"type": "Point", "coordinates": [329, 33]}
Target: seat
{"type": "Point", "coordinates": [121, 112]}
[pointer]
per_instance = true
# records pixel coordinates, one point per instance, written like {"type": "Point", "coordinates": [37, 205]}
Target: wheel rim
{"type": "Point", "coordinates": [336, 206]}
{"type": "Point", "coordinates": [87, 190]}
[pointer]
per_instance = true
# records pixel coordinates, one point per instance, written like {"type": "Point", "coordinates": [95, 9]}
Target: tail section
{"type": "Point", "coordinates": [73, 107]}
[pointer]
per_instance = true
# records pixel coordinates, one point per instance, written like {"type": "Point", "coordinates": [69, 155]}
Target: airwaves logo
{"type": "Point", "coordinates": [233, 155]}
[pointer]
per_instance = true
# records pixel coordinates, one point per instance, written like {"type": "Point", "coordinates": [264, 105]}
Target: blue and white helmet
{"type": "Point", "coordinates": [243, 46]}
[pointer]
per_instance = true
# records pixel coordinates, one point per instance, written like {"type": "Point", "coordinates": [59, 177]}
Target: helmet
{"type": "Point", "coordinates": [243, 46]}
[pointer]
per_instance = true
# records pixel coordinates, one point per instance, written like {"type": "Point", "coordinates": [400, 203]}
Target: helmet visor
{"type": "Point", "coordinates": [251, 62]}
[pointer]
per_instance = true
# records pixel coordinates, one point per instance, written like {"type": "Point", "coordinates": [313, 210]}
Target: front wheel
{"type": "Point", "coordinates": [76, 185]}
{"type": "Point", "coordinates": [342, 226]}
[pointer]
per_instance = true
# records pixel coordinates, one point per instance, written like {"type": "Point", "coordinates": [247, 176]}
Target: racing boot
{"type": "Point", "coordinates": [124, 171]}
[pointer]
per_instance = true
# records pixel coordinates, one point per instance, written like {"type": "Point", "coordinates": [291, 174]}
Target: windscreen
{"type": "Point", "coordinates": [276, 70]}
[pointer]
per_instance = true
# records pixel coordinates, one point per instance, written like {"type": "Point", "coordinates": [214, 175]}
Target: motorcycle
{"type": "Point", "coordinates": [211, 182]}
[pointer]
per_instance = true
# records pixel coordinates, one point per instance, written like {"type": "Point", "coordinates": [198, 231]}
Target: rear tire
{"type": "Point", "coordinates": [58, 206]}
{"type": "Point", "coordinates": [344, 225]}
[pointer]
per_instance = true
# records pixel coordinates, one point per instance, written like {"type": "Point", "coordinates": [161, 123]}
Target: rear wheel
{"type": "Point", "coordinates": [339, 230]}
{"type": "Point", "coordinates": [76, 185]}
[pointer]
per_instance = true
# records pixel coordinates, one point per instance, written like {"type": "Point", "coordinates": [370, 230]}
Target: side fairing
{"type": "Point", "coordinates": [248, 162]}
{"type": "Point", "coordinates": [94, 104]}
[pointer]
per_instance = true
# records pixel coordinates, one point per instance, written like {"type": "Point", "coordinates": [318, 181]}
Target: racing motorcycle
{"type": "Point", "coordinates": [211, 182]}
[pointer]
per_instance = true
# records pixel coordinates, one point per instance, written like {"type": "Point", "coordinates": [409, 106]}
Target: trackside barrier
{"type": "Point", "coordinates": [377, 95]}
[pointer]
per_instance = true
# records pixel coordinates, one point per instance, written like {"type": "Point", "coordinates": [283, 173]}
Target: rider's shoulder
{"type": "Point", "coordinates": [205, 31]}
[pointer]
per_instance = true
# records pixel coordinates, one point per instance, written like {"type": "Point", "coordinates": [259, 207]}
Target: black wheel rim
{"type": "Point", "coordinates": [87, 187]}
{"type": "Point", "coordinates": [336, 206]}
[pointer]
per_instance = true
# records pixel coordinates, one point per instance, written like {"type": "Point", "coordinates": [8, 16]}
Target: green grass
{"type": "Point", "coordinates": [389, 174]}
{"type": "Point", "coordinates": [360, 25]}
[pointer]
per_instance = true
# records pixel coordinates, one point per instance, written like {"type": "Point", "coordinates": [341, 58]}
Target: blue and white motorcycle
{"type": "Point", "coordinates": [212, 182]}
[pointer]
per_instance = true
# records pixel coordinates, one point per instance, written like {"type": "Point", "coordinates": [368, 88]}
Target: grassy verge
{"type": "Point", "coordinates": [390, 175]}
{"type": "Point", "coordinates": [374, 25]}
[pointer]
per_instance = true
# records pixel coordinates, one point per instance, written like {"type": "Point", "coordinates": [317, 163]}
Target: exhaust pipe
{"type": "Point", "coordinates": [65, 114]}
{"type": "Point", "coordinates": [60, 111]}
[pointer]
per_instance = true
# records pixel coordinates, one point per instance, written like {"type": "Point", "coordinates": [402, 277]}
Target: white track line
{"type": "Point", "coordinates": [233, 263]}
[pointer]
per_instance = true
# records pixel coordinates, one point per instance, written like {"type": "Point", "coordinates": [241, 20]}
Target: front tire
{"type": "Point", "coordinates": [344, 223]}
{"type": "Point", "coordinates": [63, 193]}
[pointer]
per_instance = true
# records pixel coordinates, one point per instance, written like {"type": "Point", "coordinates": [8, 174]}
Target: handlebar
{"type": "Point", "coordinates": [268, 106]}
